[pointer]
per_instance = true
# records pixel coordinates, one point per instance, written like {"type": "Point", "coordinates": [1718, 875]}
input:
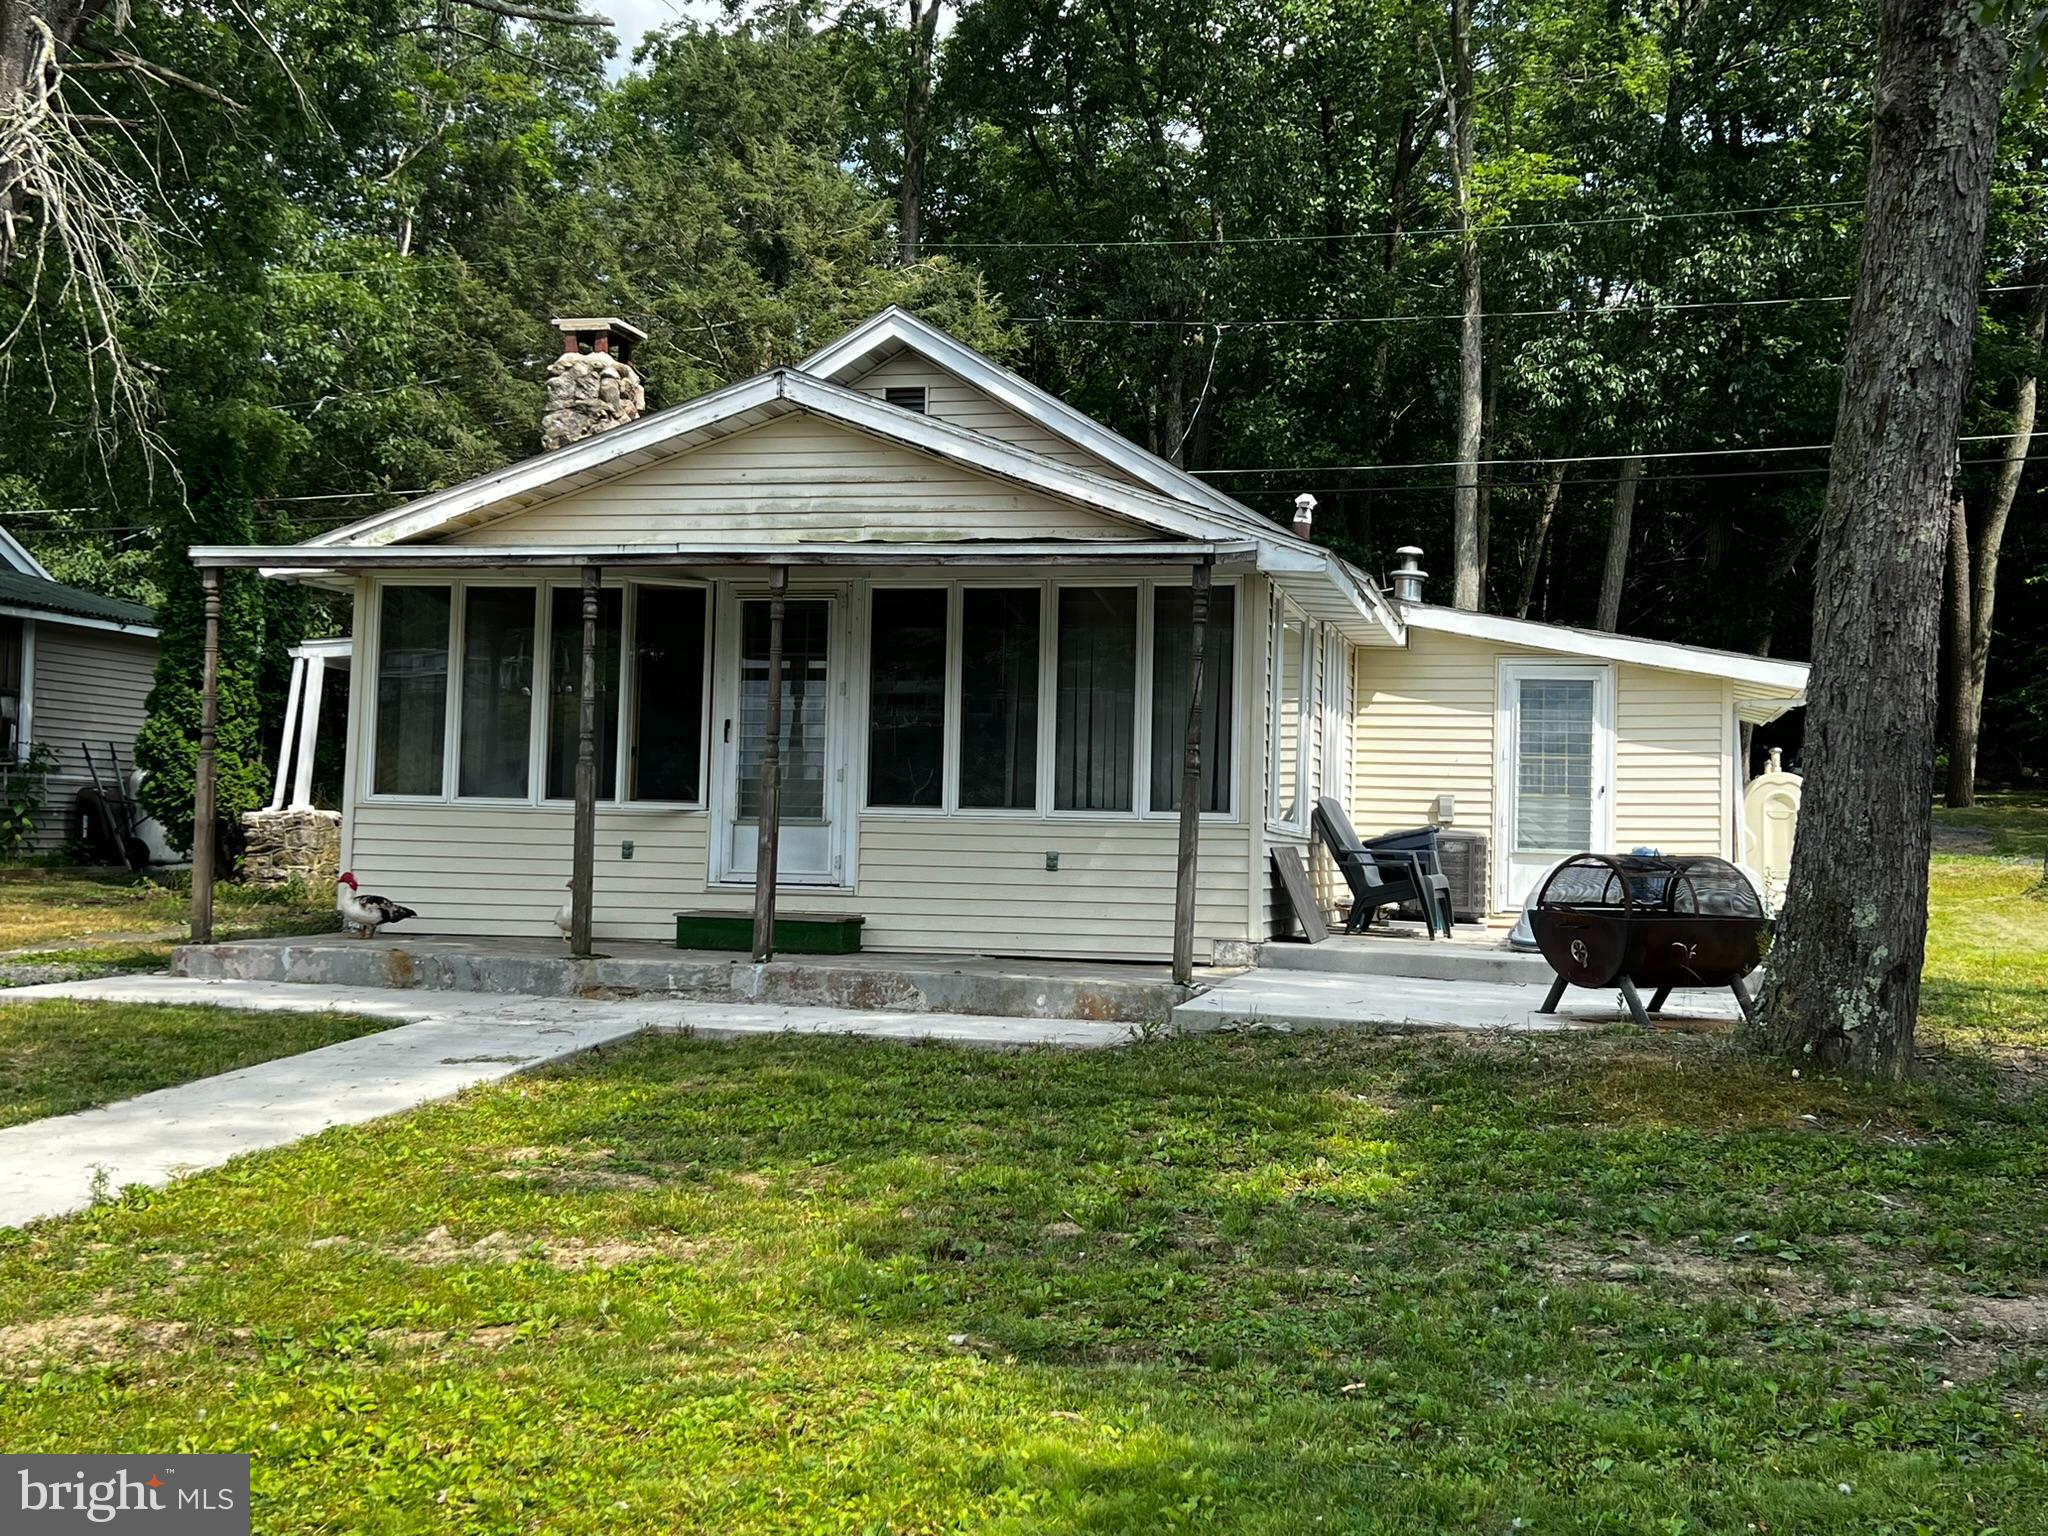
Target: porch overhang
{"type": "Point", "coordinates": [306, 561]}
{"type": "Point", "coordinates": [1332, 592]}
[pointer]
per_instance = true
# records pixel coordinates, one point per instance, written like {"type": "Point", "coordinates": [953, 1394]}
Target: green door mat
{"type": "Point", "coordinates": [796, 933]}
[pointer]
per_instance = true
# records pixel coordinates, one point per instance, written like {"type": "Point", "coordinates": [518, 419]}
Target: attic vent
{"type": "Point", "coordinates": [908, 397]}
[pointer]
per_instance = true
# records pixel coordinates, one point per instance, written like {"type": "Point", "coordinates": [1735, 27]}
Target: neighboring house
{"type": "Point", "coordinates": [75, 671]}
{"type": "Point", "coordinates": [985, 685]}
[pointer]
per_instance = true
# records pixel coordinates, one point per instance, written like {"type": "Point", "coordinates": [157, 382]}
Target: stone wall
{"type": "Point", "coordinates": [588, 393]}
{"type": "Point", "coordinates": [285, 844]}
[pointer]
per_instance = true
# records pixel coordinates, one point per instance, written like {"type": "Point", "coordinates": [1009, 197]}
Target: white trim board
{"type": "Point", "coordinates": [1787, 677]}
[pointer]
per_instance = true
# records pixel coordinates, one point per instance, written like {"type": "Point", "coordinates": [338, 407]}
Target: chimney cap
{"type": "Point", "coordinates": [575, 325]}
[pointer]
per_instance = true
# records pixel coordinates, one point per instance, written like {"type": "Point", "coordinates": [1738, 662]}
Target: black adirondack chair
{"type": "Point", "coordinates": [1383, 877]}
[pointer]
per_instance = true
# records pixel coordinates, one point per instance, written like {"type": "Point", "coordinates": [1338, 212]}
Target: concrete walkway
{"type": "Point", "coordinates": [442, 1043]}
{"type": "Point", "coordinates": [1293, 999]}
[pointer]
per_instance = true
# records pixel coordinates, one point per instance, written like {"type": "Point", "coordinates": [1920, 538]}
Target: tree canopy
{"type": "Point", "coordinates": [1227, 229]}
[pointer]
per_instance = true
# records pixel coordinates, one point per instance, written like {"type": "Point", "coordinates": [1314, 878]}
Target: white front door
{"type": "Point", "coordinates": [1554, 770]}
{"type": "Point", "coordinates": [811, 848]}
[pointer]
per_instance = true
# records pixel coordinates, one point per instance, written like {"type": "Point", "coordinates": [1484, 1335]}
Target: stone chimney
{"type": "Point", "coordinates": [592, 386]}
{"type": "Point", "coordinates": [1304, 515]}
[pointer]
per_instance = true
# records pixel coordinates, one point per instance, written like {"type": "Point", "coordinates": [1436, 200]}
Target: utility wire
{"type": "Point", "coordinates": [1579, 458]}
{"type": "Point", "coordinates": [1383, 234]}
{"type": "Point", "coordinates": [1606, 312]}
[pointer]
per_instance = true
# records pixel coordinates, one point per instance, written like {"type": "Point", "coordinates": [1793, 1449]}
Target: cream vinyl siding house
{"type": "Point", "coordinates": [1434, 719]}
{"type": "Point", "coordinates": [985, 681]}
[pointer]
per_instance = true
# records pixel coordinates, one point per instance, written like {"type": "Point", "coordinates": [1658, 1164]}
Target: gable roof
{"type": "Point", "coordinates": [744, 405]}
{"type": "Point", "coordinates": [895, 330]}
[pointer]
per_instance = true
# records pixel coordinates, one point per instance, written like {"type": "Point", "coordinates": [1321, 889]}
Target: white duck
{"type": "Point", "coordinates": [365, 914]}
{"type": "Point", "coordinates": [564, 915]}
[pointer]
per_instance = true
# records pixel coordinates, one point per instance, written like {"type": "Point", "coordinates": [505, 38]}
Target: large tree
{"type": "Point", "coordinates": [1843, 984]}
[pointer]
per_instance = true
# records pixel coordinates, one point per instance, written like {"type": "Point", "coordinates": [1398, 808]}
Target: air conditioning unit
{"type": "Point", "coordinates": [1462, 856]}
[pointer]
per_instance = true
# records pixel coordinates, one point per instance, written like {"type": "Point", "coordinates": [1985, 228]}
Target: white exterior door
{"type": "Point", "coordinates": [1554, 769]}
{"type": "Point", "coordinates": [811, 846]}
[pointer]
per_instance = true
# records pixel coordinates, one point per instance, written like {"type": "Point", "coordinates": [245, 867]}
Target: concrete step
{"type": "Point", "coordinates": [1342, 955]}
{"type": "Point", "coordinates": [905, 984]}
{"type": "Point", "coordinates": [1299, 1000]}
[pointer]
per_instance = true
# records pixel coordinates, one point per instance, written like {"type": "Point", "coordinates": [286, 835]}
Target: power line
{"type": "Point", "coordinates": [1606, 312]}
{"type": "Point", "coordinates": [1383, 234]}
{"type": "Point", "coordinates": [1578, 458]}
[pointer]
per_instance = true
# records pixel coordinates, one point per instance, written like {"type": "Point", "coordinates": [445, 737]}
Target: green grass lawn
{"type": "Point", "coordinates": [1277, 1285]}
{"type": "Point", "coordinates": [128, 922]}
{"type": "Point", "coordinates": [56, 1057]}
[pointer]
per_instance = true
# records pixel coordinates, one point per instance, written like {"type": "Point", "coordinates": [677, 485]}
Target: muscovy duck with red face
{"type": "Point", "coordinates": [365, 914]}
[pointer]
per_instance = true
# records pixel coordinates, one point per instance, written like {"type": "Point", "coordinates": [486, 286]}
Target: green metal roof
{"type": "Point", "coordinates": [20, 590]}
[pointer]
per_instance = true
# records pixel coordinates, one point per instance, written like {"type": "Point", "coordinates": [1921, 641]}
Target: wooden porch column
{"type": "Point", "coordinates": [769, 838]}
{"type": "Point", "coordinates": [583, 854]}
{"type": "Point", "coordinates": [205, 771]}
{"type": "Point", "coordinates": [1191, 790]}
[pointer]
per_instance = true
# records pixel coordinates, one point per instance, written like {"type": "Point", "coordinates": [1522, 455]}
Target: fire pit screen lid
{"type": "Point", "coordinates": [1635, 882]}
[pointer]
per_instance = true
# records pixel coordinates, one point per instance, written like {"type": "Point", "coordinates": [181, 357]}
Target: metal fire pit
{"type": "Point", "coordinates": [1629, 920]}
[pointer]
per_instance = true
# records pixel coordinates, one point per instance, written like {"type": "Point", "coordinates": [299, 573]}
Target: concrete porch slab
{"type": "Point", "coordinates": [909, 983]}
{"type": "Point", "coordinates": [1464, 958]}
{"type": "Point", "coordinates": [1291, 1000]}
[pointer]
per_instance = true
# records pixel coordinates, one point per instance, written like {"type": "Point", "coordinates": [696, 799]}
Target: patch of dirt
{"type": "Point", "coordinates": [1974, 1329]}
{"type": "Point", "coordinates": [490, 1336]}
{"type": "Point", "coordinates": [439, 1247]}
{"type": "Point", "coordinates": [1979, 840]}
{"type": "Point", "coordinates": [585, 1168]}
{"type": "Point", "coordinates": [85, 1338]}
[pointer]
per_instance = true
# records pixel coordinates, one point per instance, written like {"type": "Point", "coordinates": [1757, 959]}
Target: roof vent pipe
{"type": "Point", "coordinates": [1409, 574]}
{"type": "Point", "coordinates": [1304, 515]}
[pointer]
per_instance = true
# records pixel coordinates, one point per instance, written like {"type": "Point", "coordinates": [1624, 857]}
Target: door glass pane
{"type": "Point", "coordinates": [1172, 665]}
{"type": "Point", "coordinates": [1554, 766]}
{"type": "Point", "coordinates": [907, 697]}
{"type": "Point", "coordinates": [1291, 664]}
{"type": "Point", "coordinates": [668, 694]}
{"type": "Point", "coordinates": [1096, 702]}
{"type": "Point", "coordinates": [497, 690]}
{"type": "Point", "coordinates": [999, 698]}
{"type": "Point", "coordinates": [412, 690]}
{"type": "Point", "coordinates": [805, 627]}
{"type": "Point", "coordinates": [565, 690]}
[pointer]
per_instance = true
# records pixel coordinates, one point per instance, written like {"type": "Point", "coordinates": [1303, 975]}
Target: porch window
{"type": "Point", "coordinates": [907, 697]}
{"type": "Point", "coordinates": [669, 651]}
{"type": "Point", "coordinates": [1096, 699]}
{"type": "Point", "coordinates": [1173, 630]}
{"type": "Point", "coordinates": [999, 629]}
{"type": "Point", "coordinates": [412, 690]}
{"type": "Point", "coordinates": [12, 645]}
{"type": "Point", "coordinates": [1289, 706]}
{"type": "Point", "coordinates": [565, 690]}
{"type": "Point", "coordinates": [497, 691]}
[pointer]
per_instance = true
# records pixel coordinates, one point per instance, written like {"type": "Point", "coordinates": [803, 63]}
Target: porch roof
{"type": "Point", "coordinates": [309, 560]}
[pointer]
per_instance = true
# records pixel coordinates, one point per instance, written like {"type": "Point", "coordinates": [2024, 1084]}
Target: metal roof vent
{"type": "Point", "coordinates": [1304, 515]}
{"type": "Point", "coordinates": [1409, 574]}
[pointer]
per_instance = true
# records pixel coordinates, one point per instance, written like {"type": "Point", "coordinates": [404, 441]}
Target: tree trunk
{"type": "Point", "coordinates": [1615, 572]}
{"type": "Point", "coordinates": [1979, 591]}
{"type": "Point", "coordinates": [1843, 984]}
{"type": "Point", "coordinates": [1553, 489]}
{"type": "Point", "coordinates": [917, 114]}
{"type": "Point", "coordinates": [1955, 599]}
{"type": "Point", "coordinates": [1465, 499]}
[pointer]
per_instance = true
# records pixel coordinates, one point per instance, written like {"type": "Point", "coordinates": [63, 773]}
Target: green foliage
{"type": "Point", "coordinates": [23, 790]}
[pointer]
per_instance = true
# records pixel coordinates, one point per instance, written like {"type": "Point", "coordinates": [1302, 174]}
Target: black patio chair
{"type": "Point", "coordinates": [1383, 877]}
